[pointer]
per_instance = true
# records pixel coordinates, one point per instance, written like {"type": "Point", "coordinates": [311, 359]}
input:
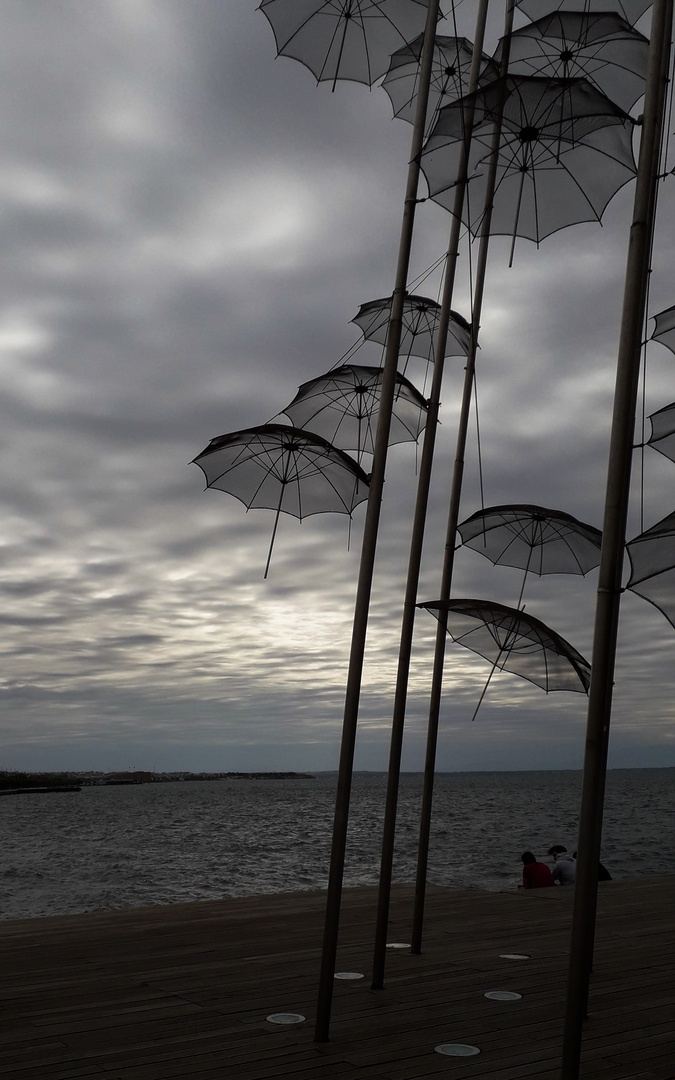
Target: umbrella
{"type": "Point", "coordinates": [420, 323]}
{"type": "Point", "coordinates": [449, 76]}
{"type": "Point", "coordinates": [283, 468]}
{"type": "Point", "coordinates": [652, 560]}
{"type": "Point", "coordinates": [516, 642]}
{"type": "Point", "coordinates": [598, 46]}
{"type": "Point", "coordinates": [534, 539]}
{"type": "Point", "coordinates": [342, 406]}
{"type": "Point", "coordinates": [565, 150]}
{"type": "Point", "coordinates": [344, 39]}
{"type": "Point", "coordinates": [662, 437]}
{"type": "Point", "coordinates": [630, 10]}
{"type": "Point", "coordinates": [665, 328]}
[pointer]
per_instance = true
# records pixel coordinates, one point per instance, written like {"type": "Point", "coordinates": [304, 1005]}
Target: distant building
{"type": "Point", "coordinates": [128, 778]}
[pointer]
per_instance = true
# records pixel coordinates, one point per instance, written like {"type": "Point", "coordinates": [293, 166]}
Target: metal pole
{"type": "Point", "coordinates": [613, 542]}
{"type": "Point", "coordinates": [419, 521]}
{"type": "Point", "coordinates": [332, 920]}
{"type": "Point", "coordinates": [453, 518]}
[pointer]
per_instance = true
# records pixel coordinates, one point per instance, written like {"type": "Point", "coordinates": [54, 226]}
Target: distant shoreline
{"type": "Point", "coordinates": [13, 783]}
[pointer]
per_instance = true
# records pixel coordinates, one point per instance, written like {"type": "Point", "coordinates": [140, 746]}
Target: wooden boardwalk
{"type": "Point", "coordinates": [184, 991]}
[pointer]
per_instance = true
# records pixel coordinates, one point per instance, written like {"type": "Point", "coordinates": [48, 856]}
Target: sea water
{"type": "Point", "coordinates": [165, 843]}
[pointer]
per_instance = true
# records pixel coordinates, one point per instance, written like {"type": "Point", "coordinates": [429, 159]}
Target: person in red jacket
{"type": "Point", "coordinates": [536, 875]}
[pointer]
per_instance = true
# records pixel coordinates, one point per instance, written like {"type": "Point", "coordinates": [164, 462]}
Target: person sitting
{"type": "Point", "coordinates": [536, 875]}
{"type": "Point", "coordinates": [603, 872]}
{"type": "Point", "coordinates": [565, 868]}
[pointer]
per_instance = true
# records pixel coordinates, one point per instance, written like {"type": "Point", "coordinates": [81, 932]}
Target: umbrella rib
{"type": "Point", "coordinates": [303, 24]}
{"type": "Point", "coordinates": [512, 529]}
{"type": "Point", "coordinates": [510, 157]}
{"type": "Point", "coordinates": [523, 635]}
{"type": "Point", "coordinates": [252, 499]}
{"type": "Point", "coordinates": [561, 532]}
{"type": "Point", "coordinates": [319, 466]}
{"type": "Point", "coordinates": [262, 453]}
{"type": "Point", "coordinates": [359, 417]}
{"type": "Point", "coordinates": [345, 23]}
{"type": "Point", "coordinates": [574, 180]}
{"type": "Point", "coordinates": [246, 449]}
{"type": "Point", "coordinates": [508, 154]}
{"type": "Point", "coordinates": [577, 560]}
{"type": "Point", "coordinates": [348, 509]}
{"type": "Point", "coordinates": [275, 456]}
{"type": "Point", "coordinates": [415, 80]}
{"type": "Point", "coordinates": [559, 163]}
{"type": "Point", "coordinates": [542, 53]}
{"type": "Point", "coordinates": [521, 536]}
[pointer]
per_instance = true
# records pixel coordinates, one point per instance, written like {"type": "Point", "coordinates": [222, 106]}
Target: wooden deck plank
{"type": "Point", "coordinates": [69, 1073]}
{"type": "Point", "coordinates": [184, 991]}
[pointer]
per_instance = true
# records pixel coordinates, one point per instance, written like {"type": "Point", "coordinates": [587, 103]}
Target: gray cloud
{"type": "Point", "coordinates": [188, 227]}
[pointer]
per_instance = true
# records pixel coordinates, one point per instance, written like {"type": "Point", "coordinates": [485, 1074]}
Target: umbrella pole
{"type": "Point", "coordinates": [517, 216]}
{"type": "Point", "coordinates": [339, 59]}
{"type": "Point", "coordinates": [369, 543]}
{"type": "Point", "coordinates": [453, 518]}
{"type": "Point", "coordinates": [522, 586]}
{"type": "Point", "coordinates": [274, 533]}
{"type": "Point", "coordinates": [487, 683]}
{"type": "Point", "coordinates": [505, 649]}
{"type": "Point", "coordinates": [417, 538]}
{"type": "Point", "coordinates": [613, 541]}
{"type": "Point", "coordinates": [527, 570]}
{"type": "Point", "coordinates": [283, 483]}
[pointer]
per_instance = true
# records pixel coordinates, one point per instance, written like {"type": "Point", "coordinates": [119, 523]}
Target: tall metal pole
{"type": "Point", "coordinates": [453, 518]}
{"type": "Point", "coordinates": [419, 521]}
{"type": "Point", "coordinates": [614, 538]}
{"type": "Point", "coordinates": [346, 765]}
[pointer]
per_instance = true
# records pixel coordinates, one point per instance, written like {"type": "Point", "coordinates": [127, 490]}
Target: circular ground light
{"type": "Point", "coordinates": [513, 956]}
{"type": "Point", "coordinates": [285, 1018]}
{"type": "Point", "coordinates": [348, 975]}
{"type": "Point", "coordinates": [456, 1049]}
{"type": "Point", "coordinates": [502, 995]}
{"type": "Point", "coordinates": [398, 945]}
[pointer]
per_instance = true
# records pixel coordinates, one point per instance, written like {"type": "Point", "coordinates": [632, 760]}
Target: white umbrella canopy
{"type": "Point", "coordinates": [275, 466]}
{"type": "Point", "coordinates": [284, 469]}
{"type": "Point", "coordinates": [630, 10]}
{"type": "Point", "coordinates": [421, 316]}
{"type": "Point", "coordinates": [533, 538]}
{"type": "Point", "coordinates": [343, 407]}
{"type": "Point", "coordinates": [652, 559]}
{"type": "Point", "coordinates": [516, 642]}
{"type": "Point", "coordinates": [565, 150]}
{"type": "Point", "coordinates": [450, 72]}
{"type": "Point", "coordinates": [598, 46]}
{"type": "Point", "coordinates": [664, 331]}
{"type": "Point", "coordinates": [344, 39]}
{"type": "Point", "coordinates": [662, 437]}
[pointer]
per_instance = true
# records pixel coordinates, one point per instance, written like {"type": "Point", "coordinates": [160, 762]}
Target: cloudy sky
{"type": "Point", "coordinates": [188, 227]}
